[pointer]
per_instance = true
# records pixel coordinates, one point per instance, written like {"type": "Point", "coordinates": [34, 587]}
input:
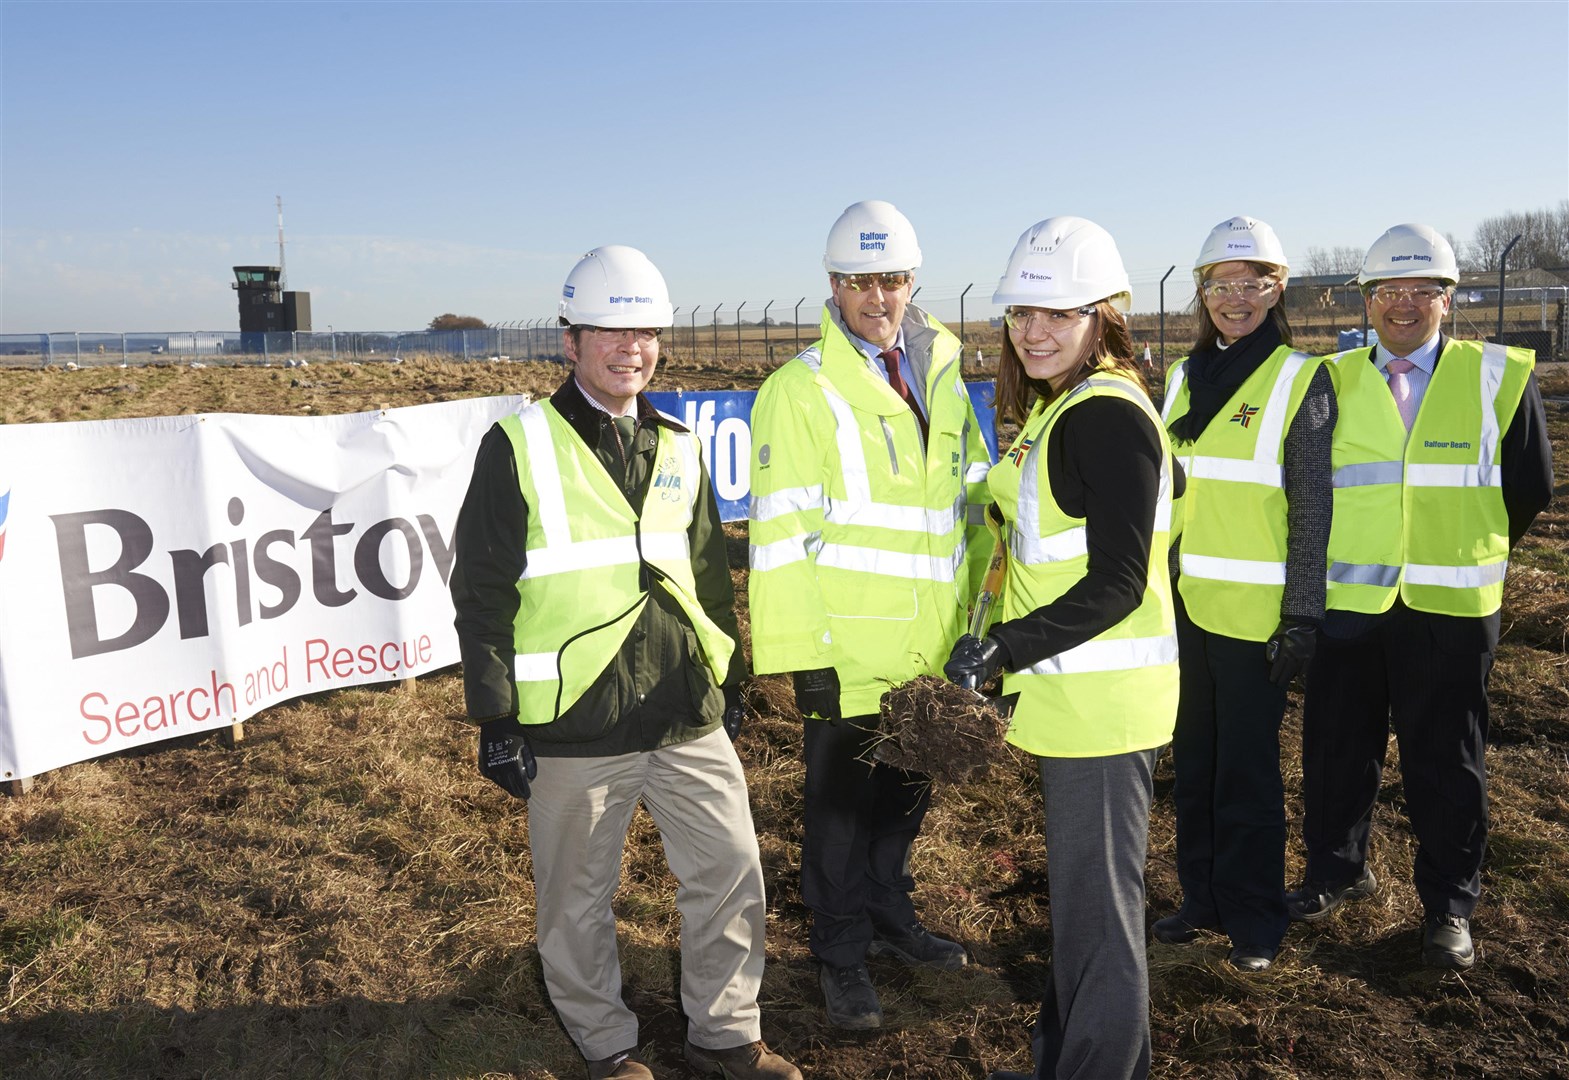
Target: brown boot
{"type": "Point", "coordinates": [622, 1066]}
{"type": "Point", "coordinates": [746, 1062]}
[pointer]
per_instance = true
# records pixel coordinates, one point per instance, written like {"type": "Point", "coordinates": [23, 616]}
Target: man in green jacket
{"type": "Point", "coordinates": [596, 620]}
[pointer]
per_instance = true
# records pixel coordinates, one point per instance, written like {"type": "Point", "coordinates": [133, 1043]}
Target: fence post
{"type": "Point", "coordinates": [738, 330]}
{"type": "Point", "coordinates": [693, 344]}
{"type": "Point", "coordinates": [1163, 278]}
{"type": "Point", "coordinates": [1502, 259]}
{"type": "Point", "coordinates": [962, 295]}
{"type": "Point", "coordinates": [798, 304]}
{"type": "Point", "coordinates": [768, 349]}
{"type": "Point", "coordinates": [716, 330]}
{"type": "Point", "coordinates": [77, 334]}
{"type": "Point", "coordinates": [294, 343]}
{"type": "Point", "coordinates": [125, 355]}
{"type": "Point", "coordinates": [675, 327]}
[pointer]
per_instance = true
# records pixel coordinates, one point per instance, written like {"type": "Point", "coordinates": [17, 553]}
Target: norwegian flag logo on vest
{"type": "Point", "coordinates": [1245, 414]}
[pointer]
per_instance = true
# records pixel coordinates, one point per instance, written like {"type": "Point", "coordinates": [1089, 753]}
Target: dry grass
{"type": "Point", "coordinates": [342, 895]}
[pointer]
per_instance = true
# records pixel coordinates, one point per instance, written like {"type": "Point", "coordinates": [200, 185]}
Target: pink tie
{"type": "Point", "coordinates": [1400, 386]}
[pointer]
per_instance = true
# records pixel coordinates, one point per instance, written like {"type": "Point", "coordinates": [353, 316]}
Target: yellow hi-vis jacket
{"type": "Point", "coordinates": [1450, 514]}
{"type": "Point", "coordinates": [1117, 692]}
{"type": "Point", "coordinates": [591, 559]}
{"type": "Point", "coordinates": [861, 539]}
{"type": "Point", "coordinates": [1233, 554]}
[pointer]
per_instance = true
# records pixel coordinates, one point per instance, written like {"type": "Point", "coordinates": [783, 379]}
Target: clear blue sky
{"type": "Point", "coordinates": [459, 156]}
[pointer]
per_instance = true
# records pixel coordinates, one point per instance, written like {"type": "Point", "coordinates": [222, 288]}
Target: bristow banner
{"type": "Point", "coordinates": [170, 576]}
{"type": "Point", "coordinates": [175, 575]}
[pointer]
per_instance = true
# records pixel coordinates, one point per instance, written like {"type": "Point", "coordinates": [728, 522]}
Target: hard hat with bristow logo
{"type": "Point", "coordinates": [616, 286]}
{"type": "Point", "coordinates": [1410, 251]}
{"type": "Point", "coordinates": [1064, 262]}
{"type": "Point", "coordinates": [871, 237]}
{"type": "Point", "coordinates": [1242, 239]}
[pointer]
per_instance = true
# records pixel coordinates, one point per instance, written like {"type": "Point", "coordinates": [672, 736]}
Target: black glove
{"type": "Point", "coordinates": [735, 710]}
{"type": "Point", "coordinates": [1289, 649]}
{"type": "Point", "coordinates": [817, 694]}
{"type": "Point", "coordinates": [974, 661]}
{"type": "Point", "coordinates": [504, 756]}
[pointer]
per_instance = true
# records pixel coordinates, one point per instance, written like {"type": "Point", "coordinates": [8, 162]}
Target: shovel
{"type": "Point", "coordinates": [980, 617]}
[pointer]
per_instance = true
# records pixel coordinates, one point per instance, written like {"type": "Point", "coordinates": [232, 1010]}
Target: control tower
{"type": "Point", "coordinates": [265, 307]}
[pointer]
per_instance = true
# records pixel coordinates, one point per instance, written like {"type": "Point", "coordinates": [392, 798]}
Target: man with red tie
{"type": "Point", "coordinates": [867, 543]}
{"type": "Point", "coordinates": [1442, 451]}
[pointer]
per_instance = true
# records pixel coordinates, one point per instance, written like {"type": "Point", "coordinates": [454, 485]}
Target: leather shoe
{"type": "Point", "coordinates": [1251, 958]}
{"type": "Point", "coordinates": [622, 1066]}
{"type": "Point", "coordinates": [919, 947]}
{"type": "Point", "coordinates": [749, 1061]}
{"type": "Point", "coordinates": [850, 998]}
{"type": "Point", "coordinates": [1446, 941]}
{"type": "Point", "coordinates": [1317, 900]}
{"type": "Point", "coordinates": [1181, 928]}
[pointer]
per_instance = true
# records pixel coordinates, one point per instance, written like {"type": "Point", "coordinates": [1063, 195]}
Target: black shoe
{"type": "Point", "coordinates": [1446, 941]}
{"type": "Point", "coordinates": [1181, 928]}
{"type": "Point", "coordinates": [919, 947]}
{"type": "Point", "coordinates": [1317, 900]}
{"type": "Point", "coordinates": [850, 998]}
{"type": "Point", "coordinates": [1251, 958]}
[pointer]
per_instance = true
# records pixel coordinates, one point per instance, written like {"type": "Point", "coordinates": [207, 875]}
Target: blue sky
{"type": "Point", "coordinates": [460, 156]}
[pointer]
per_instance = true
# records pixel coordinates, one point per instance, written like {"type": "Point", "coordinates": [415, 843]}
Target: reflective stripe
{"type": "Point", "coordinates": [1179, 375]}
{"type": "Point", "coordinates": [787, 501]}
{"type": "Point", "coordinates": [1033, 551]}
{"type": "Point", "coordinates": [867, 560]}
{"type": "Point", "coordinates": [535, 667]}
{"type": "Point", "coordinates": [1494, 361]}
{"type": "Point", "coordinates": [1345, 573]}
{"type": "Point", "coordinates": [852, 461]}
{"type": "Point", "coordinates": [976, 472]}
{"type": "Point", "coordinates": [552, 509]}
{"type": "Point", "coordinates": [1455, 476]}
{"type": "Point", "coordinates": [1245, 571]}
{"type": "Point", "coordinates": [916, 519]}
{"type": "Point", "coordinates": [611, 551]}
{"type": "Point", "coordinates": [791, 549]}
{"type": "Point", "coordinates": [1456, 577]}
{"type": "Point", "coordinates": [1110, 654]}
{"type": "Point", "coordinates": [1368, 473]}
{"type": "Point", "coordinates": [1238, 470]}
{"type": "Point", "coordinates": [1272, 432]}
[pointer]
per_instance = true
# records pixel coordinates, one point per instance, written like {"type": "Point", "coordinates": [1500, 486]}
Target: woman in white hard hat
{"type": "Point", "coordinates": [1086, 633]}
{"type": "Point", "coordinates": [1251, 420]}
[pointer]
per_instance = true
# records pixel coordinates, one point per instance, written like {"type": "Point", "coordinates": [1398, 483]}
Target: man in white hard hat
{"type": "Point", "coordinates": [1453, 461]}
{"type": "Point", "coordinates": [867, 542]}
{"type": "Point", "coordinates": [598, 634]}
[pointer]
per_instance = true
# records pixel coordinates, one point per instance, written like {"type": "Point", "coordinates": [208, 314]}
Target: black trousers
{"type": "Point", "coordinates": [1230, 800]}
{"type": "Point", "coordinates": [1424, 675]}
{"type": "Point", "coordinates": [861, 821]}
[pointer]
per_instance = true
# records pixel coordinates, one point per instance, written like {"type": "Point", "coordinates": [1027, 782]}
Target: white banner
{"type": "Point", "coordinates": [175, 575]}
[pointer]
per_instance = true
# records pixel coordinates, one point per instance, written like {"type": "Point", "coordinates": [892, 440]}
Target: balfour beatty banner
{"type": "Point", "coordinates": [170, 576]}
{"type": "Point", "coordinates": [175, 575]}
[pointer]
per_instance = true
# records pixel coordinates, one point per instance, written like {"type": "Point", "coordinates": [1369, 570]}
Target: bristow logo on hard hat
{"type": "Point", "coordinates": [1034, 275]}
{"type": "Point", "coordinates": [631, 299]}
{"type": "Point", "coordinates": [874, 241]}
{"type": "Point", "coordinates": [1245, 245]}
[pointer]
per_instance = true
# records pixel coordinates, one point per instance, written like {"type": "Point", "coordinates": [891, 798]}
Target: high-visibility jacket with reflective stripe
{"type": "Point", "coordinates": [1454, 524]}
{"type": "Point", "coordinates": [591, 559]}
{"type": "Point", "coordinates": [1233, 551]}
{"type": "Point", "coordinates": [1367, 455]}
{"type": "Point", "coordinates": [861, 557]}
{"type": "Point", "coordinates": [1117, 692]}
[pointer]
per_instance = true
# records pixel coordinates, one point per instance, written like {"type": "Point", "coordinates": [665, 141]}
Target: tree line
{"type": "Point", "coordinates": [1544, 243]}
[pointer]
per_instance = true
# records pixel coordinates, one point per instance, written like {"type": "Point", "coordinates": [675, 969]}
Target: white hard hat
{"type": "Point", "coordinates": [871, 237]}
{"type": "Point", "coordinates": [1409, 251]}
{"type": "Point", "coordinates": [1242, 239]}
{"type": "Point", "coordinates": [1064, 262]}
{"type": "Point", "coordinates": [616, 286]}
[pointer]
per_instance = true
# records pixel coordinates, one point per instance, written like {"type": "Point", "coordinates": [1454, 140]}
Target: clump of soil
{"type": "Point", "coordinates": [929, 725]}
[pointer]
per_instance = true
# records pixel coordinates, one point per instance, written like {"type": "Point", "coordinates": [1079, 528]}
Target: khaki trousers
{"type": "Point", "coordinates": [578, 818]}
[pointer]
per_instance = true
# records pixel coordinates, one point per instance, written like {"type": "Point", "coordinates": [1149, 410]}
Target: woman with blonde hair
{"type": "Point", "coordinates": [1086, 635]}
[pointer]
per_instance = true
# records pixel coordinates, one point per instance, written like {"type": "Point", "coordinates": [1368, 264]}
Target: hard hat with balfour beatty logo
{"type": "Point", "coordinates": [1410, 251]}
{"type": "Point", "coordinates": [1064, 262]}
{"type": "Point", "coordinates": [1242, 239]}
{"type": "Point", "coordinates": [616, 286]}
{"type": "Point", "coordinates": [871, 237]}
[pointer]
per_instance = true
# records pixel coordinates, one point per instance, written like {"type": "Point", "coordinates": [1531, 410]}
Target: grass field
{"type": "Point", "coordinates": [342, 895]}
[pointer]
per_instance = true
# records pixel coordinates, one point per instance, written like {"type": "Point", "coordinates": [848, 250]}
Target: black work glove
{"type": "Point", "coordinates": [735, 710]}
{"type": "Point", "coordinates": [817, 694]}
{"type": "Point", "coordinates": [504, 756]}
{"type": "Point", "coordinates": [1289, 649]}
{"type": "Point", "coordinates": [974, 661]}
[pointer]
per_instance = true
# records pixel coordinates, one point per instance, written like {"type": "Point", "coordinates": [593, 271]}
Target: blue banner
{"type": "Point", "coordinates": [722, 421]}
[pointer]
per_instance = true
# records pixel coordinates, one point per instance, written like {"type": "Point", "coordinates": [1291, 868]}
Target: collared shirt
{"type": "Point", "coordinates": [874, 353]}
{"type": "Point", "coordinates": [631, 409]}
{"type": "Point", "coordinates": [1425, 358]}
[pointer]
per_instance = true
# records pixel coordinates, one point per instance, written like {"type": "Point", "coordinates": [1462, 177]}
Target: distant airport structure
{"type": "Point", "coordinates": [265, 307]}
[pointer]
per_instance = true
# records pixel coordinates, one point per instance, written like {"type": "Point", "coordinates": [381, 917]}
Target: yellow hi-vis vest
{"type": "Point", "coordinates": [861, 553]}
{"type": "Point", "coordinates": [1233, 561]}
{"type": "Point", "coordinates": [591, 559]}
{"type": "Point", "coordinates": [1367, 455]}
{"type": "Point", "coordinates": [1454, 525]}
{"type": "Point", "coordinates": [1117, 692]}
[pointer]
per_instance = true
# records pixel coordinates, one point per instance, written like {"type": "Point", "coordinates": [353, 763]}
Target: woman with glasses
{"type": "Point", "coordinates": [1251, 420]}
{"type": "Point", "coordinates": [1086, 634]}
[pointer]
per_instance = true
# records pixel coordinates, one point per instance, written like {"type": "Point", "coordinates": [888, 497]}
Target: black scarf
{"type": "Point", "coordinates": [1215, 373]}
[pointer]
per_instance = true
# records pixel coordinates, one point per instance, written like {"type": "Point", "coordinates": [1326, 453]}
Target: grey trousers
{"type": "Point", "coordinates": [578, 819]}
{"type": "Point", "coordinates": [1095, 1020]}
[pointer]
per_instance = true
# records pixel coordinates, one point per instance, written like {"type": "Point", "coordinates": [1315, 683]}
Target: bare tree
{"type": "Point", "coordinates": [449, 321]}
{"type": "Point", "coordinates": [1346, 260]}
{"type": "Point", "coordinates": [1544, 238]}
{"type": "Point", "coordinates": [1317, 262]}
